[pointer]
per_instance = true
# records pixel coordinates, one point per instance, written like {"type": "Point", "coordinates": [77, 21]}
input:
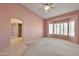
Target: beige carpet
{"type": "Point", "coordinates": [51, 47]}
{"type": "Point", "coordinates": [42, 47]}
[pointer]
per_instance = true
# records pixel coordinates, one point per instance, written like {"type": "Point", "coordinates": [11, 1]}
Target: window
{"type": "Point", "coordinates": [61, 28]}
{"type": "Point", "coordinates": [55, 28]}
{"type": "Point", "coordinates": [58, 28]}
{"type": "Point", "coordinates": [50, 28]}
{"type": "Point", "coordinates": [66, 28]}
{"type": "Point", "coordinates": [72, 28]}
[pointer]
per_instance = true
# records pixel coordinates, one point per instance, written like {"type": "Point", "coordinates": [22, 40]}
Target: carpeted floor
{"type": "Point", "coordinates": [42, 47]}
{"type": "Point", "coordinates": [52, 47]}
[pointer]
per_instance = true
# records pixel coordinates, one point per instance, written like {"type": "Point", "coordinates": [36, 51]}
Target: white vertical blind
{"type": "Point", "coordinates": [61, 28]}
{"type": "Point", "coordinates": [50, 28]}
{"type": "Point", "coordinates": [66, 28]}
{"type": "Point", "coordinates": [72, 28]}
{"type": "Point", "coordinates": [58, 28]}
{"type": "Point", "coordinates": [55, 29]}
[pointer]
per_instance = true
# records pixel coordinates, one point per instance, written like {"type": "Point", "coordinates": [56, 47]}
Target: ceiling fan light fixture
{"type": "Point", "coordinates": [46, 8]}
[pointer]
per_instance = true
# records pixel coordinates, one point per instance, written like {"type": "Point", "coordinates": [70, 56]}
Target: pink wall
{"type": "Point", "coordinates": [74, 15]}
{"type": "Point", "coordinates": [32, 23]}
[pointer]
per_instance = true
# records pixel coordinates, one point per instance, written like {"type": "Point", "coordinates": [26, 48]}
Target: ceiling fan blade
{"type": "Point", "coordinates": [47, 3]}
{"type": "Point", "coordinates": [53, 7]}
{"type": "Point", "coordinates": [50, 4]}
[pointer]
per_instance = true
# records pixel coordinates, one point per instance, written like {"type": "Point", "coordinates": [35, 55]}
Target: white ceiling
{"type": "Point", "coordinates": [60, 9]}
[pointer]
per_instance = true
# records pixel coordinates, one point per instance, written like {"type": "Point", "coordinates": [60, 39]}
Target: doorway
{"type": "Point", "coordinates": [19, 30]}
{"type": "Point", "coordinates": [16, 28]}
{"type": "Point", "coordinates": [16, 33]}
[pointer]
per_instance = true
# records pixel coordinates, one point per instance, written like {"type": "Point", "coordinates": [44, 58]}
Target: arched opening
{"type": "Point", "coordinates": [16, 30]}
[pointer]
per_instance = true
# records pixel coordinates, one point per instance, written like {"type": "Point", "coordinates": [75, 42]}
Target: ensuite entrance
{"type": "Point", "coordinates": [16, 34]}
{"type": "Point", "coordinates": [16, 28]}
{"type": "Point", "coordinates": [17, 45]}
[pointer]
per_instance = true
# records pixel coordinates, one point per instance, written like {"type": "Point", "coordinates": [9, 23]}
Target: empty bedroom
{"type": "Point", "coordinates": [39, 29]}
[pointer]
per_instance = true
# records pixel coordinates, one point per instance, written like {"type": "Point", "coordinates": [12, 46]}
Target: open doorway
{"type": "Point", "coordinates": [17, 45]}
{"type": "Point", "coordinates": [16, 30]}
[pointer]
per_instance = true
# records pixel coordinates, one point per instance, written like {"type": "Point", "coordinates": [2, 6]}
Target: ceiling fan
{"type": "Point", "coordinates": [48, 6]}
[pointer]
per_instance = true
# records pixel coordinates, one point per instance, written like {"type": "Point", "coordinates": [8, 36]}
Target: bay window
{"type": "Point", "coordinates": [63, 28]}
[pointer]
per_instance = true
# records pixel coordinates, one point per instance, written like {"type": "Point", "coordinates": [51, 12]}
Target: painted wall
{"type": "Point", "coordinates": [32, 23]}
{"type": "Point", "coordinates": [71, 15]}
{"type": "Point", "coordinates": [77, 28]}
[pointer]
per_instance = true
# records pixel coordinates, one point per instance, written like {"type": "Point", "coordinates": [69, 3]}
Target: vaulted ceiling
{"type": "Point", "coordinates": [60, 9]}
